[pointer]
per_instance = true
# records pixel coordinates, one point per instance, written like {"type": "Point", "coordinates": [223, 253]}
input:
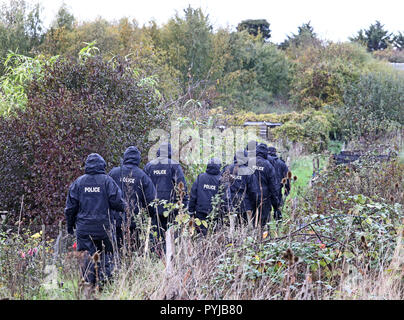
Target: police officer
{"type": "Point", "coordinates": [138, 190]}
{"type": "Point", "coordinates": [242, 186]}
{"type": "Point", "coordinates": [265, 181]}
{"type": "Point", "coordinates": [281, 170]}
{"type": "Point", "coordinates": [168, 178]}
{"type": "Point", "coordinates": [90, 200]}
{"type": "Point", "coordinates": [203, 191]}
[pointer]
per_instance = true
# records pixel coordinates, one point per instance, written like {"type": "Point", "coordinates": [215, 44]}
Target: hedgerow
{"type": "Point", "coordinates": [76, 107]}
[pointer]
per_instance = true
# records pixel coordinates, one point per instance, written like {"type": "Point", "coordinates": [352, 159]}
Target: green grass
{"type": "Point", "coordinates": [302, 168]}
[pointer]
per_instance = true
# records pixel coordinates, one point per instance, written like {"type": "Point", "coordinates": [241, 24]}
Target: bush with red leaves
{"type": "Point", "coordinates": [76, 108]}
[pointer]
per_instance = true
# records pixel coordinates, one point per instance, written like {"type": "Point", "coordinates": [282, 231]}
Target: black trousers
{"type": "Point", "coordinates": [264, 212]}
{"type": "Point", "coordinates": [122, 230]}
{"type": "Point", "coordinates": [277, 211]}
{"type": "Point", "coordinates": [203, 217]}
{"type": "Point", "coordinates": [101, 270]}
{"type": "Point", "coordinates": [160, 225]}
{"type": "Point", "coordinates": [243, 217]}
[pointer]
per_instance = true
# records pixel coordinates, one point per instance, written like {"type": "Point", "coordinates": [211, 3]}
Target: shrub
{"type": "Point", "coordinates": [78, 107]}
{"type": "Point", "coordinates": [252, 74]}
{"type": "Point", "coordinates": [238, 119]}
{"type": "Point", "coordinates": [322, 73]}
{"type": "Point", "coordinates": [372, 106]}
{"type": "Point", "coordinates": [310, 127]}
{"type": "Point", "coordinates": [292, 131]}
{"type": "Point", "coordinates": [391, 55]}
{"type": "Point", "coordinates": [378, 181]}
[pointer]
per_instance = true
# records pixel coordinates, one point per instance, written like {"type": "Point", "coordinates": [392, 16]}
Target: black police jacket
{"type": "Point", "coordinates": [266, 180]}
{"type": "Point", "coordinates": [91, 199]}
{"type": "Point", "coordinates": [137, 188]}
{"type": "Point", "coordinates": [166, 174]}
{"type": "Point", "coordinates": [205, 188]}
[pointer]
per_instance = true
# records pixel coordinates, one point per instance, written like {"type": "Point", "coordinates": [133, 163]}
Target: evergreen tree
{"type": "Point", "coordinates": [304, 36]}
{"type": "Point", "coordinates": [254, 27]}
{"type": "Point", "coordinates": [375, 38]}
{"type": "Point", "coordinates": [64, 18]}
{"type": "Point", "coordinates": [399, 41]}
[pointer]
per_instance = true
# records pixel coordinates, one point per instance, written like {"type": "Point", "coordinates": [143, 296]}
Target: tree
{"type": "Point", "coordinates": [254, 27]}
{"type": "Point", "coordinates": [64, 19]}
{"type": "Point", "coordinates": [59, 36]}
{"type": "Point", "coordinates": [20, 27]}
{"type": "Point", "coordinates": [375, 38]}
{"type": "Point", "coordinates": [399, 41]}
{"type": "Point", "coordinates": [322, 72]}
{"type": "Point", "coordinates": [250, 73]}
{"type": "Point", "coordinates": [305, 36]}
{"type": "Point", "coordinates": [61, 41]}
{"type": "Point", "coordinates": [77, 106]}
{"type": "Point", "coordinates": [360, 38]}
{"type": "Point", "coordinates": [378, 38]}
{"type": "Point", "coordinates": [188, 43]}
{"type": "Point", "coordinates": [272, 69]}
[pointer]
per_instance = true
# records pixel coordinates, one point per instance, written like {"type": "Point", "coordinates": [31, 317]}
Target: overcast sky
{"type": "Point", "coordinates": [332, 20]}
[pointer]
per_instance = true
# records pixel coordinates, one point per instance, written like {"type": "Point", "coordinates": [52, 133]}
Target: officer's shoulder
{"type": "Point", "coordinates": [283, 164]}
{"type": "Point", "coordinates": [202, 175]}
{"type": "Point", "coordinates": [142, 173]}
{"type": "Point", "coordinates": [114, 170]}
{"type": "Point", "coordinates": [78, 180]}
{"type": "Point", "coordinates": [109, 178]}
{"type": "Point", "coordinates": [268, 161]}
{"type": "Point", "coordinates": [152, 163]}
{"type": "Point", "coordinates": [271, 159]}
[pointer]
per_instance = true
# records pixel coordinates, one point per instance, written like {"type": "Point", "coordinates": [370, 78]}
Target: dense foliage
{"type": "Point", "coordinates": [100, 86]}
{"type": "Point", "coordinates": [375, 38]}
{"type": "Point", "coordinates": [323, 71]}
{"type": "Point", "coordinates": [255, 27]}
{"type": "Point", "coordinates": [340, 239]}
{"type": "Point", "coordinates": [253, 75]}
{"type": "Point", "coordinates": [372, 107]}
{"type": "Point", "coordinates": [76, 107]}
{"type": "Point", "coordinates": [21, 28]}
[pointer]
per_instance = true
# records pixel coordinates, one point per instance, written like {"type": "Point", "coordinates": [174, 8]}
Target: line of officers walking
{"type": "Point", "coordinates": [100, 204]}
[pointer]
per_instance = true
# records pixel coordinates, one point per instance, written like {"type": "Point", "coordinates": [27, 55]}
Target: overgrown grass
{"type": "Point", "coordinates": [344, 245]}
